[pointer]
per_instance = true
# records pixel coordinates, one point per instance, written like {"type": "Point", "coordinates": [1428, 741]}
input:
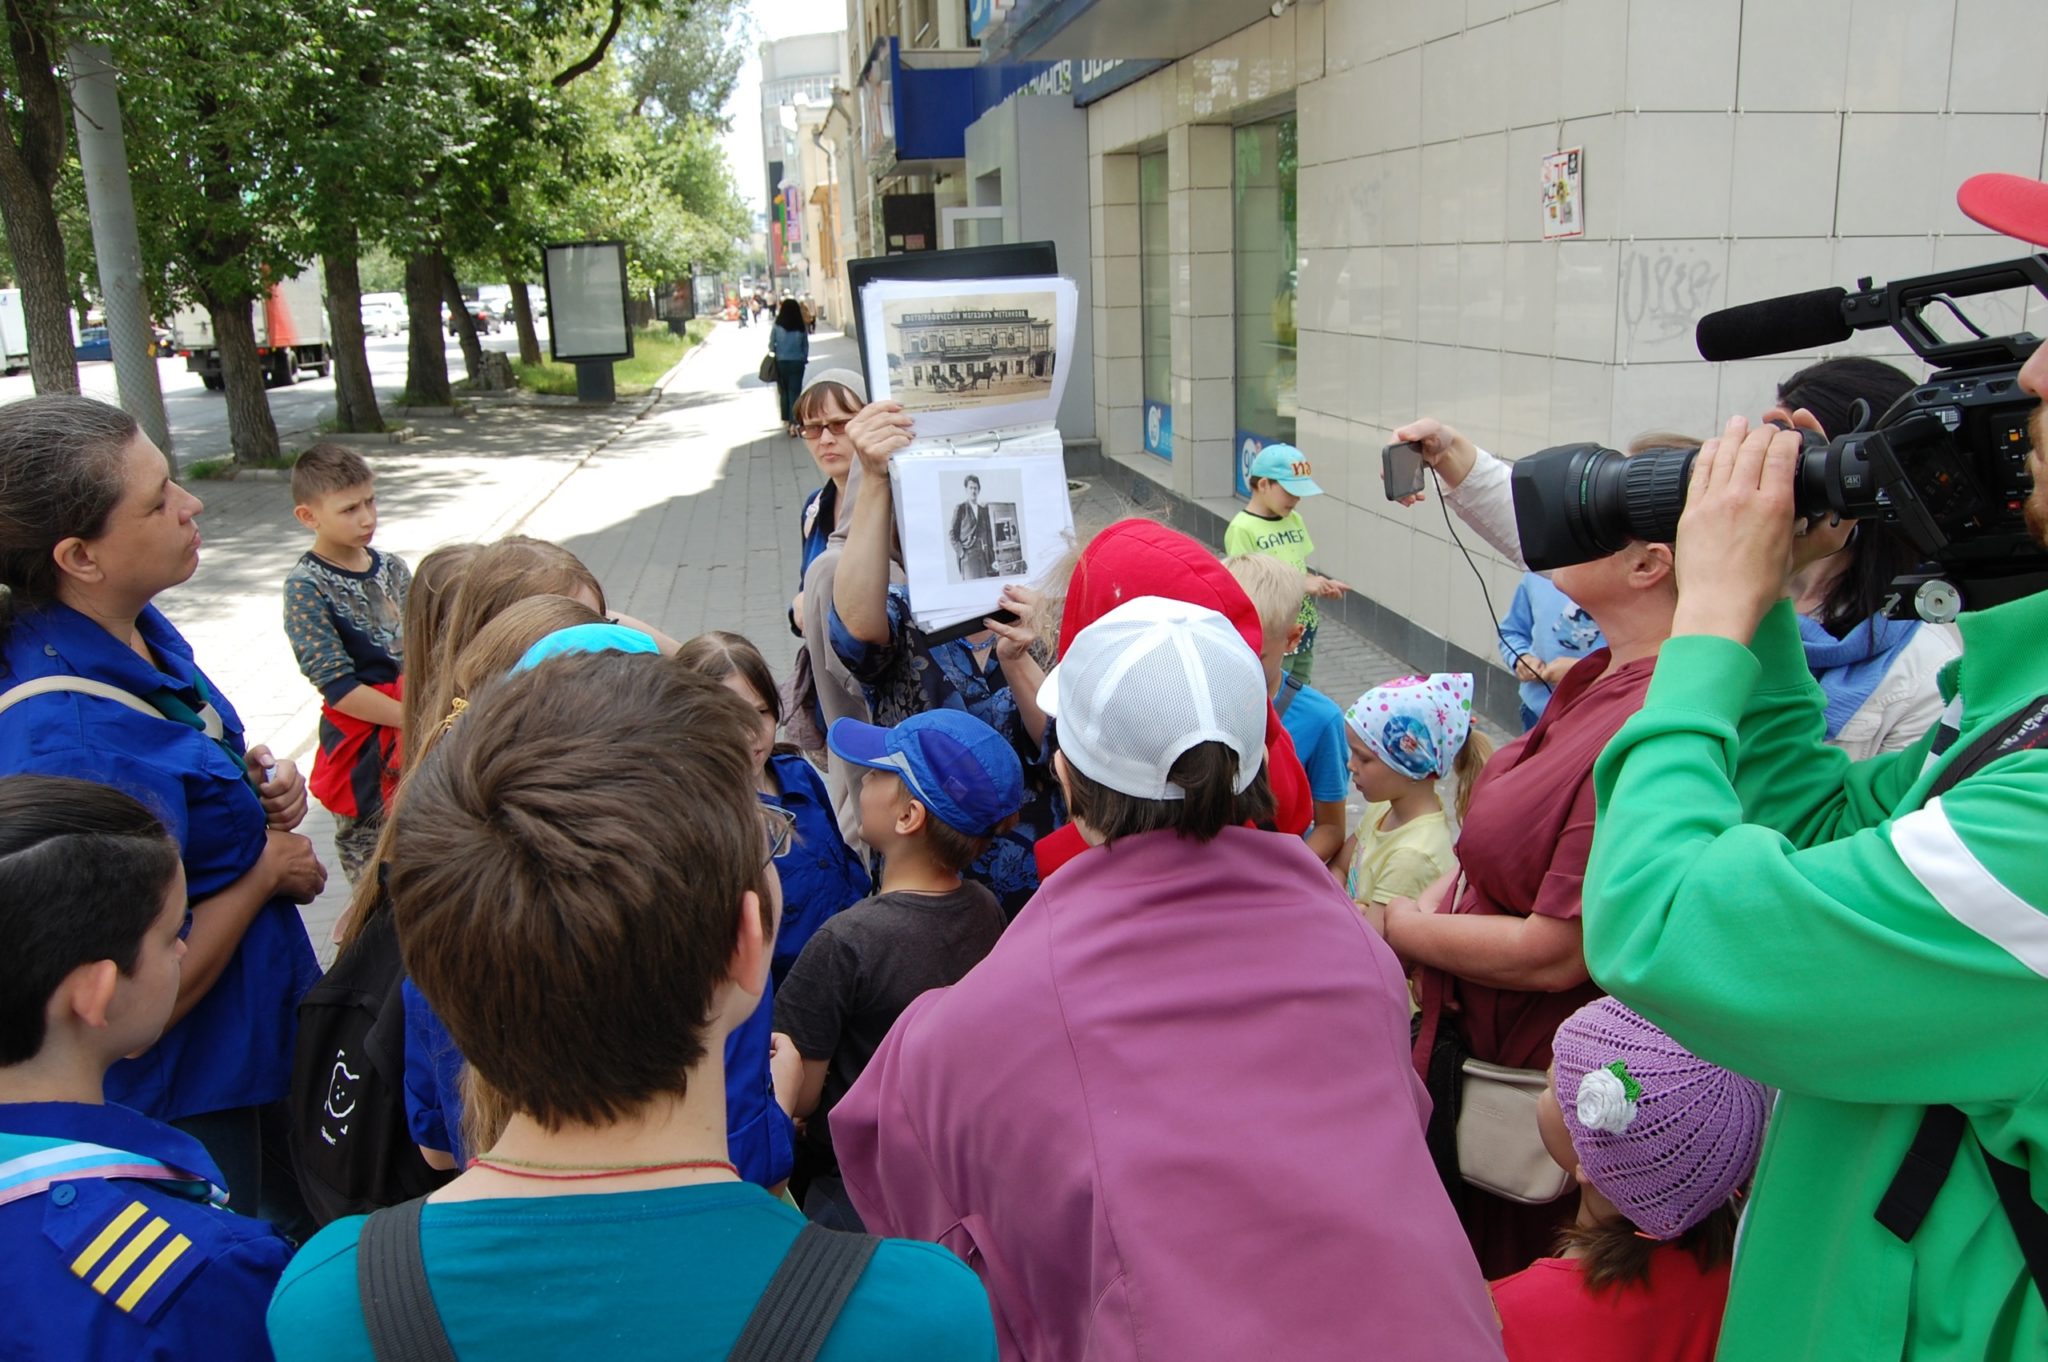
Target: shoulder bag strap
{"type": "Point", "coordinates": [53, 685]}
{"type": "Point", "coordinates": [391, 1282]}
{"type": "Point", "coordinates": [804, 1297]}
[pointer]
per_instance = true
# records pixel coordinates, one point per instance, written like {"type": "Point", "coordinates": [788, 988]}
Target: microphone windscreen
{"type": "Point", "coordinates": [1798, 321]}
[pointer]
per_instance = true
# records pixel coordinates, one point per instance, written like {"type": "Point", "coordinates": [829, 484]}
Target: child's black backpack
{"type": "Point", "coordinates": [349, 1137]}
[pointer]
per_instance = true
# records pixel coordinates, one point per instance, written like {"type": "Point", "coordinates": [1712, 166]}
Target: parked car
{"type": "Point", "coordinates": [93, 343]}
{"type": "Point", "coordinates": [382, 319]}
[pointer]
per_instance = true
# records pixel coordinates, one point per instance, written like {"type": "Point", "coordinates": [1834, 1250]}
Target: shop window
{"type": "Point", "coordinates": [1155, 303]}
{"type": "Point", "coordinates": [1267, 269]}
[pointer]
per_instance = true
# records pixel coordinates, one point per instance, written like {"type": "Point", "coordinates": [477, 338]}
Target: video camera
{"type": "Point", "coordinates": [1947, 463]}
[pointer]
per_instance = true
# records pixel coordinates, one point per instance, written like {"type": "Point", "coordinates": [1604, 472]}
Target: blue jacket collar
{"type": "Point", "coordinates": [115, 1126]}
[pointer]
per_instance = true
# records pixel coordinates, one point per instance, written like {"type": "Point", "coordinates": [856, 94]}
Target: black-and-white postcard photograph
{"type": "Point", "coordinates": [971, 352]}
{"type": "Point", "coordinates": [970, 356]}
{"type": "Point", "coordinates": [983, 513]}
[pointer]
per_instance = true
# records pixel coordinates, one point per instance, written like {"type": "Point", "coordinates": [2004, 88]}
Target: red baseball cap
{"type": "Point", "coordinates": [2012, 204]}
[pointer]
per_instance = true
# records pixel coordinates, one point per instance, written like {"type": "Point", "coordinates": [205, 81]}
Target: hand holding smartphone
{"type": "Point", "coordinates": [1401, 469]}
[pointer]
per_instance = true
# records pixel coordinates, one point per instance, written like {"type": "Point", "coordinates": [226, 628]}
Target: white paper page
{"type": "Point", "coordinates": [968, 356]}
{"type": "Point", "coordinates": [975, 518]}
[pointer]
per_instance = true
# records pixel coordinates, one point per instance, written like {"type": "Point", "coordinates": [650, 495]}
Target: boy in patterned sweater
{"type": "Point", "coordinates": [344, 607]}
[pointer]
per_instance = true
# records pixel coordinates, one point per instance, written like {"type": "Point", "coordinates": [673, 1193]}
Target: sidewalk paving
{"type": "Point", "coordinates": [684, 504]}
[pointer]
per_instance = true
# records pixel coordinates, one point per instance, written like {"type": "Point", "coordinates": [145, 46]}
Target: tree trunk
{"type": "Point", "coordinates": [251, 431]}
{"type": "Point", "coordinates": [29, 166]}
{"type": "Point", "coordinates": [355, 397]}
{"type": "Point", "coordinates": [464, 324]}
{"type": "Point", "coordinates": [426, 356]}
{"type": "Point", "coordinates": [522, 319]}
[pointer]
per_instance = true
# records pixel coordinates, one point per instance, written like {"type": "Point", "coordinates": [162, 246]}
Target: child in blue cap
{"type": "Point", "coordinates": [935, 789]}
{"type": "Point", "coordinates": [1271, 523]}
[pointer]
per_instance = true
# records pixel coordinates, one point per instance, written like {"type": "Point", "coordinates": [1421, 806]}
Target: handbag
{"type": "Point", "coordinates": [767, 372]}
{"type": "Point", "coordinates": [1500, 1148]}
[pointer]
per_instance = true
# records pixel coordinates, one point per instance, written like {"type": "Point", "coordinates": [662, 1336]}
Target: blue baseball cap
{"type": "Point", "coordinates": [1287, 466]}
{"type": "Point", "coordinates": [586, 638]}
{"type": "Point", "coordinates": [951, 762]}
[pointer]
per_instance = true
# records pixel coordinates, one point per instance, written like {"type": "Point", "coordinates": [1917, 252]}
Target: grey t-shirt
{"type": "Point", "coordinates": [867, 963]}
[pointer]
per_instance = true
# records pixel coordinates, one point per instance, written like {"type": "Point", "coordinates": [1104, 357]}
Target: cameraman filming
{"type": "Point", "coordinates": [1870, 938]}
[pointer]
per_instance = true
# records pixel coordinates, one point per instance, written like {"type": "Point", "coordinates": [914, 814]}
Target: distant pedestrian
{"type": "Point", "coordinates": [790, 343]}
{"type": "Point", "coordinates": [1271, 523]}
{"type": "Point", "coordinates": [344, 612]}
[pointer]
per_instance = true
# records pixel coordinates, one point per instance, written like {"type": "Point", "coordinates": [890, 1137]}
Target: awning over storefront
{"type": "Point", "coordinates": [1159, 29]}
{"type": "Point", "coordinates": [915, 106]}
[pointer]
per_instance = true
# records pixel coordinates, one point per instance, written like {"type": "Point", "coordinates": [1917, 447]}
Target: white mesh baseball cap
{"type": "Point", "coordinates": [1146, 682]}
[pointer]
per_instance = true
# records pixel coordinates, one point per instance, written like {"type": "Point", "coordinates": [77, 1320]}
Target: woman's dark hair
{"type": "Point", "coordinates": [1206, 771]}
{"type": "Point", "coordinates": [790, 316]}
{"type": "Point", "coordinates": [1878, 553]}
{"type": "Point", "coordinates": [83, 870]}
{"type": "Point", "coordinates": [60, 478]}
{"type": "Point", "coordinates": [1614, 1256]}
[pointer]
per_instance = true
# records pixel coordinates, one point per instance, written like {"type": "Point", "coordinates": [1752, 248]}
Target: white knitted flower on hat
{"type": "Point", "coordinates": [1607, 1099]}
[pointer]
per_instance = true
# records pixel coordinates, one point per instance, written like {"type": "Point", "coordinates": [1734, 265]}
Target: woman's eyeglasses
{"type": "Point", "coordinates": [780, 827]}
{"type": "Point", "coordinates": [817, 431]}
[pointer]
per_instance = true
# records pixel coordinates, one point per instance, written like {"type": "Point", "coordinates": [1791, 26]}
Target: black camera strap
{"type": "Point", "coordinates": [1932, 1154]}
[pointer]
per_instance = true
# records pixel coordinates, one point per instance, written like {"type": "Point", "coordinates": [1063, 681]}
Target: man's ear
{"type": "Point", "coordinates": [304, 515]}
{"type": "Point", "coordinates": [1654, 565]}
{"type": "Point", "coordinates": [1295, 636]}
{"type": "Point", "coordinates": [75, 559]}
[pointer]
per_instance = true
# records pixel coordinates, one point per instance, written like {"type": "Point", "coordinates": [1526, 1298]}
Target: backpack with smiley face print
{"type": "Point", "coordinates": [348, 1132]}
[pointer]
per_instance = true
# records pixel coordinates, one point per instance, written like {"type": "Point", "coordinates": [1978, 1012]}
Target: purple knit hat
{"type": "Point", "coordinates": [1661, 1133]}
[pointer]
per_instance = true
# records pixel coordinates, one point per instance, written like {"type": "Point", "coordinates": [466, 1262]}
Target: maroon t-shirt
{"type": "Point", "coordinates": [1523, 850]}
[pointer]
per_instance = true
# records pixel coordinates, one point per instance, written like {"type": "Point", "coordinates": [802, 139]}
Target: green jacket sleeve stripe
{"type": "Point", "coordinates": [1934, 852]}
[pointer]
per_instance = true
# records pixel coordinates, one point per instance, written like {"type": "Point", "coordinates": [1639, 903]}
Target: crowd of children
{"type": "Point", "coordinates": [623, 1004]}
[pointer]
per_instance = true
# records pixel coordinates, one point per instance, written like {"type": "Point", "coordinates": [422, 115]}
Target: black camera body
{"type": "Point", "coordinates": [1947, 463]}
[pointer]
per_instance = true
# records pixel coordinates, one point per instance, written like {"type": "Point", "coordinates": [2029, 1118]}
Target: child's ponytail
{"type": "Point", "coordinates": [1471, 760]}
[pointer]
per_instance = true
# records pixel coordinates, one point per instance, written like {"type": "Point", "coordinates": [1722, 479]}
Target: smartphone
{"type": "Point", "coordinates": [1401, 466]}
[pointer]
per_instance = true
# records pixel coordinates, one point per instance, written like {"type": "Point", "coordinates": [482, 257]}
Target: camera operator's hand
{"type": "Point", "coordinates": [877, 431]}
{"type": "Point", "coordinates": [1735, 539]}
{"type": "Point", "coordinates": [1442, 448]}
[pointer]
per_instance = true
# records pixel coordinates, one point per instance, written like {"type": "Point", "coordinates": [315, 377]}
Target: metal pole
{"type": "Point", "coordinates": [103, 157]}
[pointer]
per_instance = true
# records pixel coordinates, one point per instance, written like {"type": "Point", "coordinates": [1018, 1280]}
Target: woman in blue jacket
{"type": "Point", "coordinates": [98, 684]}
{"type": "Point", "coordinates": [790, 343]}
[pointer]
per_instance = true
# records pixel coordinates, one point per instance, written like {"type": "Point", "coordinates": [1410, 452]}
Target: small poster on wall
{"type": "Point", "coordinates": [1564, 194]}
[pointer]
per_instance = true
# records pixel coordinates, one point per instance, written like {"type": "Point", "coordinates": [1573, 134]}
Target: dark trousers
{"type": "Point", "coordinates": [252, 1147]}
{"type": "Point", "coordinates": [789, 381]}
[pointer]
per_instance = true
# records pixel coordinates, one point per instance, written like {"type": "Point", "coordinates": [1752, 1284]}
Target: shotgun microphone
{"type": "Point", "coordinates": [1798, 321]}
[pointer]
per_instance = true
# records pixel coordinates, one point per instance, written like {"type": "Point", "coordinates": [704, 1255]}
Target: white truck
{"type": "Point", "coordinates": [291, 332]}
{"type": "Point", "coordinates": [14, 331]}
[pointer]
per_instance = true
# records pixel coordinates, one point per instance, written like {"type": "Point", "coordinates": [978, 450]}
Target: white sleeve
{"type": "Point", "coordinates": [1485, 500]}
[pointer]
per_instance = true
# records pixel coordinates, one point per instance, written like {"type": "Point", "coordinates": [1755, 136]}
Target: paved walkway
{"type": "Point", "coordinates": [685, 505]}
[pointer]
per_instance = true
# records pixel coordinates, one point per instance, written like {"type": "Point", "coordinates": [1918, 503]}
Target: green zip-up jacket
{"type": "Point", "coordinates": [1826, 929]}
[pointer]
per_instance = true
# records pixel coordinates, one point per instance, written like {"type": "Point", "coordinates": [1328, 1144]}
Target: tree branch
{"type": "Point", "coordinates": [604, 42]}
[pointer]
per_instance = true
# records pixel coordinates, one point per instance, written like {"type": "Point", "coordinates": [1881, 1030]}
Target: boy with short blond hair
{"type": "Point", "coordinates": [344, 611]}
{"type": "Point", "coordinates": [1271, 524]}
{"type": "Point", "coordinates": [1312, 719]}
{"type": "Point", "coordinates": [933, 791]}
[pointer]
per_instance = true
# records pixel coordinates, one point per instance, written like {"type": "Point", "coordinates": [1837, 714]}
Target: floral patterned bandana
{"type": "Point", "coordinates": [1416, 724]}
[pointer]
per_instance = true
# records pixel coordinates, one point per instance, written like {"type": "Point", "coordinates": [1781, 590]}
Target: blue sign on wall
{"type": "Point", "coordinates": [1248, 447]}
{"type": "Point", "coordinates": [979, 13]}
{"type": "Point", "coordinates": [1159, 430]}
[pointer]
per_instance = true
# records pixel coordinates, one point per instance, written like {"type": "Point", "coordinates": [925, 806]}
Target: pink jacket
{"type": "Point", "coordinates": [1171, 1116]}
